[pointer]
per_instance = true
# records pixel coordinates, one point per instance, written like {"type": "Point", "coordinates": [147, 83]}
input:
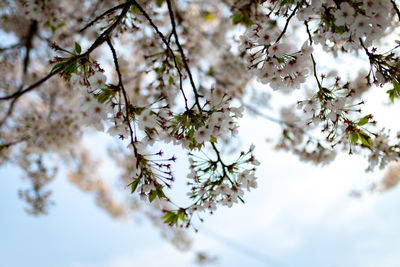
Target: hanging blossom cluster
{"type": "Point", "coordinates": [336, 106]}
{"type": "Point", "coordinates": [213, 182]}
{"type": "Point", "coordinates": [274, 61]}
{"type": "Point", "coordinates": [152, 74]}
{"type": "Point", "coordinates": [346, 24]}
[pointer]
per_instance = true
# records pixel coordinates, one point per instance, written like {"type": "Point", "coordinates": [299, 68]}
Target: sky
{"type": "Point", "coordinates": [300, 215]}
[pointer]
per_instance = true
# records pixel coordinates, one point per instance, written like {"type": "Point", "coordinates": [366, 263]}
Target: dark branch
{"type": "Point", "coordinates": [196, 94]}
{"type": "Point", "coordinates": [396, 8]}
{"type": "Point", "coordinates": [31, 87]}
{"type": "Point", "coordinates": [109, 11]}
{"type": "Point", "coordinates": [127, 104]}
{"type": "Point", "coordinates": [28, 44]}
{"type": "Point", "coordinates": [100, 40]}
{"type": "Point", "coordinates": [14, 46]}
{"type": "Point", "coordinates": [286, 25]}
{"type": "Point", "coordinates": [164, 40]}
{"type": "Point", "coordinates": [312, 56]}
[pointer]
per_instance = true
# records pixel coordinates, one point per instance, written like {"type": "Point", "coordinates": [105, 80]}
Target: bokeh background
{"type": "Point", "coordinates": [300, 215]}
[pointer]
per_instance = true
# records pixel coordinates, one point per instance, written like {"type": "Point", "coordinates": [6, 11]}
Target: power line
{"type": "Point", "coordinates": [247, 251]}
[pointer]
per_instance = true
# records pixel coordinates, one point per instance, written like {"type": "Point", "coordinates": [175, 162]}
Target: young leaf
{"type": "Point", "coordinates": [58, 66]}
{"type": "Point", "coordinates": [354, 137]}
{"type": "Point", "coordinates": [78, 48]}
{"type": "Point", "coordinates": [237, 18]}
{"type": "Point", "coordinates": [152, 195]}
{"type": "Point", "coordinates": [365, 139]}
{"type": "Point", "coordinates": [159, 3]}
{"type": "Point", "coordinates": [134, 185]}
{"type": "Point", "coordinates": [213, 139]}
{"type": "Point", "coordinates": [181, 215]}
{"type": "Point", "coordinates": [364, 120]}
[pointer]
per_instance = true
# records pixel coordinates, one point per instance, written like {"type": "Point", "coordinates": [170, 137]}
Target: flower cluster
{"type": "Point", "coordinates": [347, 24]}
{"type": "Point", "coordinates": [273, 61]}
{"type": "Point", "coordinates": [214, 182]}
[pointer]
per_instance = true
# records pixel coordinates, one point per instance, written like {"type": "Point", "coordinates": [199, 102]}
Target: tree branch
{"type": "Point", "coordinates": [312, 57]}
{"type": "Point", "coordinates": [127, 104]}
{"type": "Point", "coordinates": [196, 94]}
{"type": "Point", "coordinates": [100, 40]}
{"type": "Point", "coordinates": [105, 13]}
{"type": "Point", "coordinates": [286, 25]}
{"type": "Point", "coordinates": [28, 44]}
{"type": "Point", "coordinates": [396, 8]}
{"type": "Point", "coordinates": [14, 46]}
{"type": "Point", "coordinates": [164, 40]}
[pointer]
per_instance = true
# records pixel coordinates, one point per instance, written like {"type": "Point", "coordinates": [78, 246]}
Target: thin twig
{"type": "Point", "coordinates": [172, 17]}
{"type": "Point", "coordinates": [286, 25]}
{"type": "Point", "coordinates": [164, 40]}
{"type": "Point", "coordinates": [14, 46]}
{"type": "Point", "coordinates": [127, 104]}
{"type": "Point", "coordinates": [101, 16]}
{"type": "Point", "coordinates": [31, 87]}
{"type": "Point", "coordinates": [312, 57]}
{"type": "Point", "coordinates": [28, 46]}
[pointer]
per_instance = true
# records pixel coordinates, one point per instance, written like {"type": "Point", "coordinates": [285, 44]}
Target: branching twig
{"type": "Point", "coordinates": [105, 13]}
{"type": "Point", "coordinates": [28, 46]}
{"type": "Point", "coordinates": [286, 25]}
{"type": "Point", "coordinates": [312, 57]}
{"type": "Point", "coordinates": [196, 94]}
{"type": "Point", "coordinates": [100, 40]}
{"type": "Point", "coordinates": [164, 40]}
{"type": "Point", "coordinates": [127, 104]}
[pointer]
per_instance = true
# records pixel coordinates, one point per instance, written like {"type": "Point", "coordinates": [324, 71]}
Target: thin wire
{"type": "Point", "coordinates": [250, 252]}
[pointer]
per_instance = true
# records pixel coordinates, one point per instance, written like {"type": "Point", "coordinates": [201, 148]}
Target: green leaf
{"type": "Point", "coordinates": [160, 193]}
{"type": "Point", "coordinates": [170, 81]}
{"type": "Point", "coordinates": [159, 3]}
{"type": "Point", "coordinates": [58, 66]}
{"type": "Point", "coordinates": [392, 94]}
{"type": "Point", "coordinates": [364, 120]}
{"type": "Point", "coordinates": [213, 139]}
{"type": "Point", "coordinates": [105, 95]}
{"type": "Point", "coordinates": [365, 139]}
{"type": "Point", "coordinates": [152, 195]}
{"type": "Point", "coordinates": [134, 185]}
{"type": "Point", "coordinates": [396, 86]}
{"type": "Point", "coordinates": [71, 68]}
{"type": "Point", "coordinates": [181, 215]}
{"type": "Point", "coordinates": [169, 217]}
{"type": "Point", "coordinates": [340, 29]}
{"type": "Point", "coordinates": [78, 48]}
{"type": "Point", "coordinates": [395, 92]}
{"type": "Point", "coordinates": [354, 137]}
{"type": "Point", "coordinates": [237, 18]}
